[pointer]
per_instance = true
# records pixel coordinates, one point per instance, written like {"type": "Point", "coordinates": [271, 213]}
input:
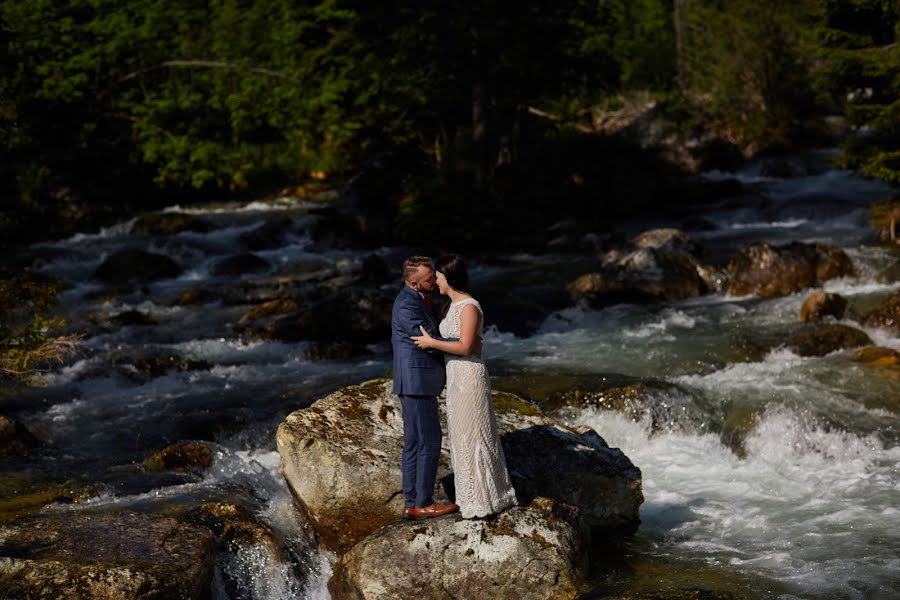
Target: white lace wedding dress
{"type": "Point", "coordinates": [479, 467]}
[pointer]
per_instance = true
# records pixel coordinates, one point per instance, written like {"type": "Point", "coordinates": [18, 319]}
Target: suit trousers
{"type": "Point", "coordinates": [421, 449]}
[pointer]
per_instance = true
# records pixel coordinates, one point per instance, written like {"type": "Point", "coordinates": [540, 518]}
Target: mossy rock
{"type": "Point", "coordinates": [185, 456]}
{"type": "Point", "coordinates": [170, 223]}
{"type": "Point", "coordinates": [21, 496]}
{"type": "Point", "coordinates": [84, 555]}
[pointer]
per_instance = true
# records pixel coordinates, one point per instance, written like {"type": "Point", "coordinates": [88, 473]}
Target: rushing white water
{"type": "Point", "coordinates": [813, 500]}
{"type": "Point", "coordinates": [815, 509]}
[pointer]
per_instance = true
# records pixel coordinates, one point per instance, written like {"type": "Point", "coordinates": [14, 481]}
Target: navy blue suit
{"type": "Point", "coordinates": [419, 377]}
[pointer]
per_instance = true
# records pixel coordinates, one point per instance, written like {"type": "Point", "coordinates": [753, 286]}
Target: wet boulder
{"type": "Point", "coordinates": [661, 265]}
{"type": "Point", "coordinates": [341, 459]}
{"type": "Point", "coordinates": [170, 223]}
{"type": "Point", "coordinates": [240, 264]}
{"type": "Point", "coordinates": [820, 304]}
{"type": "Point", "coordinates": [768, 271]}
{"type": "Point", "coordinates": [886, 315]}
{"type": "Point", "coordinates": [128, 266]}
{"type": "Point", "coordinates": [15, 438]}
{"type": "Point", "coordinates": [822, 339]}
{"type": "Point", "coordinates": [664, 405]}
{"type": "Point", "coordinates": [878, 356]}
{"type": "Point", "coordinates": [88, 555]}
{"type": "Point", "coordinates": [359, 315]}
{"type": "Point", "coordinates": [526, 552]}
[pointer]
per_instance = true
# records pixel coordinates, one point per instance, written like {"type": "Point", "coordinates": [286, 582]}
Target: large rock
{"type": "Point", "coordinates": [360, 315]}
{"type": "Point", "coordinates": [663, 404]}
{"type": "Point", "coordinates": [822, 339]}
{"type": "Point", "coordinates": [886, 315]}
{"type": "Point", "coordinates": [341, 458]}
{"type": "Point", "coordinates": [661, 265]}
{"type": "Point", "coordinates": [86, 555]}
{"type": "Point", "coordinates": [128, 266]}
{"type": "Point", "coordinates": [768, 271]}
{"type": "Point", "coordinates": [526, 552]}
{"type": "Point", "coordinates": [820, 304]}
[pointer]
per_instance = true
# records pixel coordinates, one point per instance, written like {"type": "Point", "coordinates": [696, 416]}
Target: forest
{"type": "Point", "coordinates": [109, 108]}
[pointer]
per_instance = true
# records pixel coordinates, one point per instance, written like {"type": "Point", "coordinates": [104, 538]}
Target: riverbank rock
{"type": "Point", "coordinates": [821, 304]}
{"type": "Point", "coordinates": [87, 555]}
{"type": "Point", "coordinates": [822, 339]}
{"type": "Point", "coordinates": [128, 266]}
{"type": "Point", "coordinates": [15, 439]}
{"type": "Point", "coordinates": [886, 315]}
{"type": "Point", "coordinates": [768, 271]}
{"type": "Point", "coordinates": [341, 459]}
{"type": "Point", "coordinates": [526, 552]}
{"type": "Point", "coordinates": [267, 236]}
{"type": "Point", "coordinates": [661, 265]}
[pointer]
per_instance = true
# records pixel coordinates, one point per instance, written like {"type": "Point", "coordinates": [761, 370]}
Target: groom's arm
{"type": "Point", "coordinates": [412, 316]}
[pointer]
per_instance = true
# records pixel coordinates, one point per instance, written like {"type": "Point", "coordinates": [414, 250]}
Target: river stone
{"type": "Point", "coordinates": [86, 555]}
{"type": "Point", "coordinates": [15, 438]}
{"type": "Point", "coordinates": [341, 459]}
{"type": "Point", "coordinates": [821, 304]}
{"type": "Point", "coordinates": [128, 266]}
{"type": "Point", "coordinates": [661, 265]}
{"type": "Point", "coordinates": [183, 456]}
{"type": "Point", "coordinates": [886, 314]}
{"type": "Point", "coordinates": [525, 552]}
{"type": "Point", "coordinates": [822, 339]}
{"type": "Point", "coordinates": [170, 223]}
{"type": "Point", "coordinates": [768, 271]}
{"type": "Point", "coordinates": [878, 356]}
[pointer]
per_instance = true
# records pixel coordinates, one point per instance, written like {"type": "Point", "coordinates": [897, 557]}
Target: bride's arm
{"type": "Point", "coordinates": [468, 340]}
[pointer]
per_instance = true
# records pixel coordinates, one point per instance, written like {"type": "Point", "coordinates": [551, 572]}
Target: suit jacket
{"type": "Point", "coordinates": [417, 372]}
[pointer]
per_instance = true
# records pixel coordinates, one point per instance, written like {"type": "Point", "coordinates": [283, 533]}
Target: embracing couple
{"type": "Point", "coordinates": [426, 357]}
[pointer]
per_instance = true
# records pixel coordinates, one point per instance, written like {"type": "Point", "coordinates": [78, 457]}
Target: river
{"type": "Point", "coordinates": [809, 509]}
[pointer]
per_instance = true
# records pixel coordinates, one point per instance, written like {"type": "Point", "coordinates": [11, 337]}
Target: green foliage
{"type": "Point", "coordinates": [115, 98]}
{"type": "Point", "coordinates": [745, 63]}
{"type": "Point", "coordinates": [858, 73]}
{"type": "Point", "coordinates": [27, 342]}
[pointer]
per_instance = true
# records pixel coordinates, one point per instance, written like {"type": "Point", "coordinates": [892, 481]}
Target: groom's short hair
{"type": "Point", "coordinates": [412, 264]}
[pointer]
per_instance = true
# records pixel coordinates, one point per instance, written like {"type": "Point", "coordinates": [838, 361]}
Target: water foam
{"type": "Point", "coordinates": [803, 496]}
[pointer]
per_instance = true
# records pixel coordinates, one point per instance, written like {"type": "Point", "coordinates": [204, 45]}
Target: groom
{"type": "Point", "coordinates": [419, 378]}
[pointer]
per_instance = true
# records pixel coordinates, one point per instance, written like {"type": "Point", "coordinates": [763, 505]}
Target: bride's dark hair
{"type": "Point", "coordinates": [454, 270]}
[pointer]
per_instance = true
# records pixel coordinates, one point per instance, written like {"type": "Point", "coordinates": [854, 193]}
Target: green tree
{"type": "Point", "coordinates": [858, 75]}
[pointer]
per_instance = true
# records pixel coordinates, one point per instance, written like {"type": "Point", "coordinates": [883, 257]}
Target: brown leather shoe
{"type": "Point", "coordinates": [431, 511]}
{"type": "Point", "coordinates": [407, 513]}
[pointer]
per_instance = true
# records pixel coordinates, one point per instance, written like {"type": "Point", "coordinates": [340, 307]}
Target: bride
{"type": "Point", "coordinates": [479, 467]}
